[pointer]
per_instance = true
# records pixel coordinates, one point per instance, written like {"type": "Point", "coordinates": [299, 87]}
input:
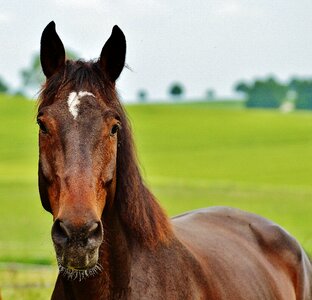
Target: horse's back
{"type": "Point", "coordinates": [244, 255]}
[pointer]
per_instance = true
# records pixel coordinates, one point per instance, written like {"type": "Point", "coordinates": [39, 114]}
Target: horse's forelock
{"type": "Point", "coordinates": [76, 76]}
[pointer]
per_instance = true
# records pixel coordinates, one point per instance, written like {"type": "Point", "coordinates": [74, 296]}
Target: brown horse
{"type": "Point", "coordinates": [112, 239]}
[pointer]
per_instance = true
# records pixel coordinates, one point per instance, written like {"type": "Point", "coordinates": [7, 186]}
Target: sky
{"type": "Point", "coordinates": [203, 44]}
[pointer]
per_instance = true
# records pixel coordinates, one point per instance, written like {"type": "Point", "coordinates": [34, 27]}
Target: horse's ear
{"type": "Point", "coordinates": [52, 52]}
{"type": "Point", "coordinates": [113, 55]}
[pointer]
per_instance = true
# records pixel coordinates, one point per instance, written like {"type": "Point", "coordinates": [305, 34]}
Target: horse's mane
{"type": "Point", "coordinates": [138, 209]}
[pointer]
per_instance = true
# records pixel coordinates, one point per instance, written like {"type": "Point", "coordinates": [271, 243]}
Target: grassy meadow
{"type": "Point", "coordinates": [191, 155]}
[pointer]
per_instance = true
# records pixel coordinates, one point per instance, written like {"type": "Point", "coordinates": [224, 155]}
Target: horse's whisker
{"type": "Point", "coordinates": [74, 274]}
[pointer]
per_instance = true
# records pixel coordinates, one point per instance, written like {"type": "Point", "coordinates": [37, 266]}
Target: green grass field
{"type": "Point", "coordinates": [191, 155]}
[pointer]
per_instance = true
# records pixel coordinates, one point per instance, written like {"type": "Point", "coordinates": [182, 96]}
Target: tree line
{"type": "Point", "coordinates": [261, 93]}
{"type": "Point", "coordinates": [270, 93]}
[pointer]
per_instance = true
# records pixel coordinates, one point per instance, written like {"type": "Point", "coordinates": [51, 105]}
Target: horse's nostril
{"type": "Point", "coordinates": [94, 226]}
{"type": "Point", "coordinates": [60, 234]}
{"type": "Point", "coordinates": [64, 233]}
{"type": "Point", "coordinates": [95, 233]}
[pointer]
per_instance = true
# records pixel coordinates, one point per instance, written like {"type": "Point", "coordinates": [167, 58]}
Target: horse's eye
{"type": "Point", "coordinates": [43, 128]}
{"type": "Point", "coordinates": [114, 129]}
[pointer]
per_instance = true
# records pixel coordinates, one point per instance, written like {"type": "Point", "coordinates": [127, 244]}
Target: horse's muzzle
{"type": "Point", "coordinates": [77, 247]}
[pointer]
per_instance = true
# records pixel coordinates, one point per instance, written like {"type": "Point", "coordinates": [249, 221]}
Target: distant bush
{"type": "Point", "coordinates": [176, 90]}
{"type": "Point", "coordinates": [211, 94]}
{"type": "Point", "coordinates": [268, 93]}
{"type": "Point", "coordinates": [3, 86]}
{"type": "Point", "coordinates": [142, 95]}
{"type": "Point", "coordinates": [303, 90]}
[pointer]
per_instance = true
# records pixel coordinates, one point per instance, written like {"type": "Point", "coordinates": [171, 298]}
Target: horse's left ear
{"type": "Point", "coordinates": [113, 55]}
{"type": "Point", "coordinates": [52, 52]}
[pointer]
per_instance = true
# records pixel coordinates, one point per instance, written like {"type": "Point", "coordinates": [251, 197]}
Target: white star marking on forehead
{"type": "Point", "coordinates": [73, 101]}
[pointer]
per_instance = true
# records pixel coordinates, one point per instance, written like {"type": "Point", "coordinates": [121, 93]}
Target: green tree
{"type": "Point", "coordinates": [3, 86]}
{"type": "Point", "coordinates": [268, 93]}
{"type": "Point", "coordinates": [211, 94]}
{"type": "Point", "coordinates": [32, 77]}
{"type": "Point", "coordinates": [303, 90]}
{"type": "Point", "coordinates": [176, 90]}
{"type": "Point", "coordinates": [142, 95]}
{"type": "Point", "coordinates": [242, 87]}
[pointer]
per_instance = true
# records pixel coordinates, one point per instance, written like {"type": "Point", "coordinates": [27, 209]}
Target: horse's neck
{"type": "Point", "coordinates": [115, 252]}
{"type": "Point", "coordinates": [115, 259]}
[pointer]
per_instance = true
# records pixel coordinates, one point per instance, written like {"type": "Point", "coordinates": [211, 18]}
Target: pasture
{"type": "Point", "coordinates": [191, 155]}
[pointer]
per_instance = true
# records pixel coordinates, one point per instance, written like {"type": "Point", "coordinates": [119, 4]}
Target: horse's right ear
{"type": "Point", "coordinates": [52, 52]}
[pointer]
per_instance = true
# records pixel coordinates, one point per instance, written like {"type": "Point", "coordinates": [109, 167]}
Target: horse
{"type": "Point", "coordinates": [111, 237]}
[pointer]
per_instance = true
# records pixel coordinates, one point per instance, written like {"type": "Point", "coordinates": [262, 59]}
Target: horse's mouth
{"type": "Point", "coordinates": [79, 273]}
{"type": "Point", "coordinates": [76, 264]}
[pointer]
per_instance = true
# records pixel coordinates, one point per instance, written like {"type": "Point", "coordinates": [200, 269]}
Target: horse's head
{"type": "Point", "coordinates": [79, 119]}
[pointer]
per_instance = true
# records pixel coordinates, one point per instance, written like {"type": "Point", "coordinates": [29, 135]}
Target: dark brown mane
{"type": "Point", "coordinates": [139, 212]}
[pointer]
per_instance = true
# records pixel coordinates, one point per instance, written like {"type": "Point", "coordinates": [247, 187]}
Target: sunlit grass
{"type": "Point", "coordinates": [257, 160]}
{"type": "Point", "coordinates": [27, 282]}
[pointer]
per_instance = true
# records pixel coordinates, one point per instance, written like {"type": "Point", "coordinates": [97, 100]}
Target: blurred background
{"type": "Point", "coordinates": [219, 93]}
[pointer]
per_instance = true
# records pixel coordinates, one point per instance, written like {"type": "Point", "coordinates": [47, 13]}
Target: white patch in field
{"type": "Point", "coordinates": [73, 101]}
